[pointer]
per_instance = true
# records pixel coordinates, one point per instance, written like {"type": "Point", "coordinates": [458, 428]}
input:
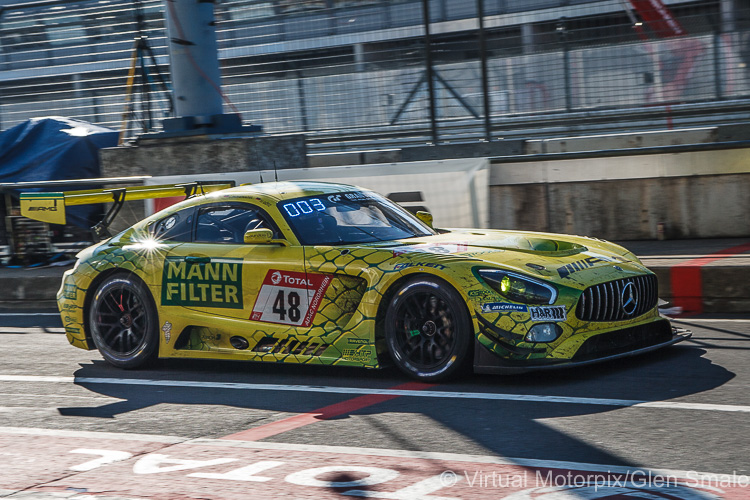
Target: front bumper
{"type": "Point", "coordinates": [597, 349]}
{"type": "Point", "coordinates": [70, 300]}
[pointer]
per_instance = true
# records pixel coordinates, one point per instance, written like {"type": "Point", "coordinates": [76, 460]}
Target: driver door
{"type": "Point", "coordinates": [218, 274]}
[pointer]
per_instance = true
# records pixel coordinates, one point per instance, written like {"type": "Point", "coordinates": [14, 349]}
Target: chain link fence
{"type": "Point", "coordinates": [358, 71]}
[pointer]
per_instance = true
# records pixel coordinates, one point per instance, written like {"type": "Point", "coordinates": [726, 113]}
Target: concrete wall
{"type": "Point", "coordinates": [191, 156]}
{"type": "Point", "coordinates": [633, 140]}
{"type": "Point", "coordinates": [199, 155]}
{"type": "Point", "coordinates": [625, 198]}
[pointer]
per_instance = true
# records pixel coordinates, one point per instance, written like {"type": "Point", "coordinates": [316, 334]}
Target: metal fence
{"type": "Point", "coordinates": [360, 70]}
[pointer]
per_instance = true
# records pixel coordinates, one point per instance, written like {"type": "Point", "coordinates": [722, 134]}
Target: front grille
{"type": "Point", "coordinates": [622, 341]}
{"type": "Point", "coordinates": [604, 302]}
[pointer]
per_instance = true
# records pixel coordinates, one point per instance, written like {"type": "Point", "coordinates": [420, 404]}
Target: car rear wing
{"type": "Point", "coordinates": [50, 207]}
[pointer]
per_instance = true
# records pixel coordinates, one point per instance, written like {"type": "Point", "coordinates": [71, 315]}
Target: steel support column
{"type": "Point", "coordinates": [485, 76]}
{"type": "Point", "coordinates": [194, 61]}
{"type": "Point", "coordinates": [428, 69]}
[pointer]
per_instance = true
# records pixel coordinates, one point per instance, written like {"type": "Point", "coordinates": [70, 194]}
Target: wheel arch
{"type": "Point", "coordinates": [94, 286]}
{"type": "Point", "coordinates": [393, 288]}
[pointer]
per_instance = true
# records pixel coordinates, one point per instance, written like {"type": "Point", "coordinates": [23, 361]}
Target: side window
{"type": "Point", "coordinates": [175, 227]}
{"type": "Point", "coordinates": [228, 224]}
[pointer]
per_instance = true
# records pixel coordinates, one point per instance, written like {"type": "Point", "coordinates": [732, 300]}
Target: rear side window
{"type": "Point", "coordinates": [175, 227]}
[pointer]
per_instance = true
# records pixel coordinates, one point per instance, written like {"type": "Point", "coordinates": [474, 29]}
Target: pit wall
{"type": "Point", "coordinates": [699, 194]}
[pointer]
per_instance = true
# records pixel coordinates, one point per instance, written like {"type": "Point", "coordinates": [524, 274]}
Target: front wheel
{"type": "Point", "coordinates": [428, 330]}
{"type": "Point", "coordinates": [123, 322]}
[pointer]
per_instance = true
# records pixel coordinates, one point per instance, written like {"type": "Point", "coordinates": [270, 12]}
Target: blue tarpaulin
{"type": "Point", "coordinates": [55, 148]}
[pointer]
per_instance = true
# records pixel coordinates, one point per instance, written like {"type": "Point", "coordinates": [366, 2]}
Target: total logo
{"type": "Point", "coordinates": [277, 278]}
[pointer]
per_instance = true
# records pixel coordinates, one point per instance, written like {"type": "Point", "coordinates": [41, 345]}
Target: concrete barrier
{"type": "Point", "coordinates": [622, 140]}
{"type": "Point", "coordinates": [30, 288]}
{"type": "Point", "coordinates": [699, 194]}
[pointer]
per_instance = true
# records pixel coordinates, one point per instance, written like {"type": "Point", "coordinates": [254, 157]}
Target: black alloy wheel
{"type": "Point", "coordinates": [428, 330]}
{"type": "Point", "coordinates": [123, 322]}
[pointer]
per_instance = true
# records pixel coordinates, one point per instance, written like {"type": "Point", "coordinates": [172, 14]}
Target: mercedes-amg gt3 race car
{"type": "Point", "coordinates": [309, 272]}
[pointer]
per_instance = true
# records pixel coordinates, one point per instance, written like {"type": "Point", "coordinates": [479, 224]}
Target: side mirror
{"type": "Point", "coordinates": [258, 237]}
{"type": "Point", "coordinates": [425, 217]}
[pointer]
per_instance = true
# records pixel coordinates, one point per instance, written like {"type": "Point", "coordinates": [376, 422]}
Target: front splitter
{"type": "Point", "coordinates": [486, 362]}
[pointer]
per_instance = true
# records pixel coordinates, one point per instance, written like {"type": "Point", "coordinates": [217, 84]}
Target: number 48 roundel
{"type": "Point", "coordinates": [289, 298]}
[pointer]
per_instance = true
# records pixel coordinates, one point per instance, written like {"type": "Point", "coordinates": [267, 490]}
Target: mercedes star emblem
{"type": "Point", "coordinates": [629, 298]}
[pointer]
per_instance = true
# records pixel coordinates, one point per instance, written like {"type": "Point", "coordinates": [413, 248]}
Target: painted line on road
{"type": "Point", "coordinates": [35, 431]}
{"type": "Point", "coordinates": [325, 413]}
{"type": "Point", "coordinates": [360, 451]}
{"type": "Point", "coordinates": [487, 396]}
{"type": "Point", "coordinates": [58, 396]}
{"type": "Point", "coordinates": [29, 314]}
{"type": "Point", "coordinates": [708, 320]}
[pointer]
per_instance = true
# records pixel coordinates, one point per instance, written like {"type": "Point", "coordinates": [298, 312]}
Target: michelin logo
{"type": "Point", "coordinates": [503, 307]}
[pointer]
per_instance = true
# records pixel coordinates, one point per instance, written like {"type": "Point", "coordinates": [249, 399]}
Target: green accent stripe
{"type": "Point", "coordinates": [42, 196]}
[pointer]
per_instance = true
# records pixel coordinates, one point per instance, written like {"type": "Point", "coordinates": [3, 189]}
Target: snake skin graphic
{"type": "Point", "coordinates": [360, 278]}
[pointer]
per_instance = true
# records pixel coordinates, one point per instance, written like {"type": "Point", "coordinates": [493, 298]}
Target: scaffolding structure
{"type": "Point", "coordinates": [382, 73]}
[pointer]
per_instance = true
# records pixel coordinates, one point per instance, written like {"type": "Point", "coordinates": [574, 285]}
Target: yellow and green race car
{"type": "Point", "coordinates": [310, 272]}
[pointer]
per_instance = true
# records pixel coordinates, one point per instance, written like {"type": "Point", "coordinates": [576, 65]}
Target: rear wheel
{"type": "Point", "coordinates": [428, 330]}
{"type": "Point", "coordinates": [123, 322]}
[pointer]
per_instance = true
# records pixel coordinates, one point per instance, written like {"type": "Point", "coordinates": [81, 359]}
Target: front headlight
{"type": "Point", "coordinates": [519, 288]}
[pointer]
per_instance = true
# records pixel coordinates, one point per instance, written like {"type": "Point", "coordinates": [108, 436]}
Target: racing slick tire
{"type": "Point", "coordinates": [428, 330]}
{"type": "Point", "coordinates": [123, 322]}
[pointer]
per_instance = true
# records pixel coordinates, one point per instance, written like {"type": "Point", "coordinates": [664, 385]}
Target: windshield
{"type": "Point", "coordinates": [346, 218]}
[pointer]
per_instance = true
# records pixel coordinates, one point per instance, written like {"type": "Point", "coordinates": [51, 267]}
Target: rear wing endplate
{"type": "Point", "coordinates": [50, 207]}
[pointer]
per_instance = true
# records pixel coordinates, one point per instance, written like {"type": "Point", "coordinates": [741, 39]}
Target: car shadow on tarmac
{"type": "Point", "coordinates": [505, 428]}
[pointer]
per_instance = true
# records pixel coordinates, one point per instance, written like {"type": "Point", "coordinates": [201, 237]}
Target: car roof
{"type": "Point", "coordinates": [285, 190]}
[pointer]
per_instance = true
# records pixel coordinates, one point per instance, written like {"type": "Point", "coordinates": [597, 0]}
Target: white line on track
{"type": "Point", "coordinates": [58, 396]}
{"type": "Point", "coordinates": [487, 396]}
{"type": "Point", "coordinates": [29, 314]}
{"type": "Point", "coordinates": [684, 256]}
{"type": "Point", "coordinates": [708, 320]}
{"type": "Point", "coordinates": [377, 452]}
{"type": "Point", "coordinates": [31, 431]}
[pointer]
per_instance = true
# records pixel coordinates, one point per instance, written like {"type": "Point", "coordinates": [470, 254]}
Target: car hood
{"type": "Point", "coordinates": [570, 260]}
